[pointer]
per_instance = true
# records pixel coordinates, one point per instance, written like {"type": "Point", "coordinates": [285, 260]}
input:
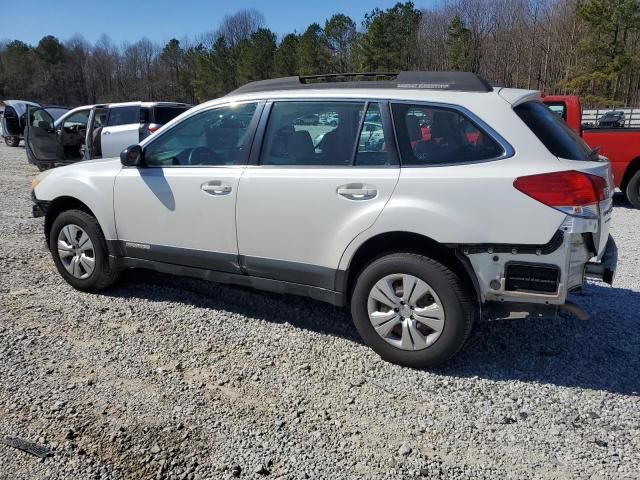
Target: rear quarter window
{"type": "Point", "coordinates": [429, 136]}
{"type": "Point", "coordinates": [553, 131]}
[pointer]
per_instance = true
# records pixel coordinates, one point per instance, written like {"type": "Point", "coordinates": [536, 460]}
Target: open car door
{"type": "Point", "coordinates": [41, 140]}
{"type": "Point", "coordinates": [11, 130]}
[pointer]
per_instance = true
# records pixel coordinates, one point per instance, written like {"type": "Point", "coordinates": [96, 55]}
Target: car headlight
{"type": "Point", "coordinates": [34, 183]}
{"type": "Point", "coordinates": [38, 178]}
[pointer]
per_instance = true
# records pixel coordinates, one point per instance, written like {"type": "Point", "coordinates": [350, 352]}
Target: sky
{"type": "Point", "coordinates": [160, 20]}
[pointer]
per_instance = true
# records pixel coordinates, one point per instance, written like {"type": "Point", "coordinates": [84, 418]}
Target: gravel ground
{"type": "Point", "coordinates": [163, 377]}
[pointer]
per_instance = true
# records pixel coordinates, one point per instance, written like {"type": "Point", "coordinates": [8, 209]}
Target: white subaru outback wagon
{"type": "Point", "coordinates": [416, 200]}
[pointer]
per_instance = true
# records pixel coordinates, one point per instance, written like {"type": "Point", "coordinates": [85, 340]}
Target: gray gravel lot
{"type": "Point", "coordinates": [164, 377]}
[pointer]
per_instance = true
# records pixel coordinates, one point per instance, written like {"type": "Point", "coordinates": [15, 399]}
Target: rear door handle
{"type": "Point", "coordinates": [216, 187]}
{"type": "Point", "coordinates": [357, 191]}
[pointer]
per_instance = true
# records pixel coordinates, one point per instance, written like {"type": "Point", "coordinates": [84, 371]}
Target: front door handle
{"type": "Point", "coordinates": [216, 187]}
{"type": "Point", "coordinates": [106, 132]}
{"type": "Point", "coordinates": [357, 191]}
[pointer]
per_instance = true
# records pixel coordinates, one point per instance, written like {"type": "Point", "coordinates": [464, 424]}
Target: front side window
{"type": "Point", "coordinates": [430, 135]}
{"type": "Point", "coordinates": [123, 115]}
{"type": "Point", "coordinates": [213, 137]}
{"type": "Point", "coordinates": [312, 133]}
{"type": "Point", "coordinates": [76, 121]}
{"type": "Point", "coordinates": [41, 118]}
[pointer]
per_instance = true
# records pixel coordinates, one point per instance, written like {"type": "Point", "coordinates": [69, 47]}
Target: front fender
{"type": "Point", "coordinates": [89, 184]}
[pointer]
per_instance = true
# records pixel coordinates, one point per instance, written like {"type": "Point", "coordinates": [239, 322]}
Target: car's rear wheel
{"type": "Point", "coordinates": [633, 190]}
{"type": "Point", "coordinates": [12, 141]}
{"type": "Point", "coordinates": [79, 251]}
{"type": "Point", "coordinates": [412, 310]}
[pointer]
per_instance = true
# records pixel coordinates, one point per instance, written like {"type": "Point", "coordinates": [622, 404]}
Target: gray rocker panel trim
{"type": "Point", "coordinates": [278, 286]}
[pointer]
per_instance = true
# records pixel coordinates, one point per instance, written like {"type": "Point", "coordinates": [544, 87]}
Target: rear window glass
{"type": "Point", "coordinates": [553, 132]}
{"type": "Point", "coordinates": [430, 135]}
{"type": "Point", "coordinates": [123, 115]}
{"type": "Point", "coordinates": [163, 115]}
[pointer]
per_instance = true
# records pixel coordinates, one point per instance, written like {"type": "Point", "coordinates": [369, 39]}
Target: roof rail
{"type": "Point", "coordinates": [457, 81]}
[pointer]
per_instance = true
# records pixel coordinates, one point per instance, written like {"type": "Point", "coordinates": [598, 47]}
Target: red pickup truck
{"type": "Point", "coordinates": [620, 145]}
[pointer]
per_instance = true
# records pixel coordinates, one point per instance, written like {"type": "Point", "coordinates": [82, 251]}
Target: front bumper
{"type": "Point", "coordinates": [605, 269]}
{"type": "Point", "coordinates": [40, 207]}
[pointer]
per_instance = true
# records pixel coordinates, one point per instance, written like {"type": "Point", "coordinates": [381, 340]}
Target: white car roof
{"type": "Point", "coordinates": [458, 98]}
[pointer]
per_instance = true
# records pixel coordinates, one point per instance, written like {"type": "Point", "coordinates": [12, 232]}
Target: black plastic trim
{"type": "Point", "coordinates": [40, 207]}
{"type": "Point", "coordinates": [604, 270]}
{"type": "Point", "coordinates": [510, 287]}
{"type": "Point", "coordinates": [277, 286]}
{"type": "Point", "coordinates": [264, 268]}
{"type": "Point", "coordinates": [546, 249]}
{"type": "Point", "coordinates": [222, 262]}
{"type": "Point", "coordinates": [302, 273]}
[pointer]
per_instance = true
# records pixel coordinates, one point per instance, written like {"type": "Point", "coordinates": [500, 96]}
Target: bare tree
{"type": "Point", "coordinates": [239, 26]}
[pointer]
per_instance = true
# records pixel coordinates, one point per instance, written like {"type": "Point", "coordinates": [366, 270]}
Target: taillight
{"type": "Point", "coordinates": [153, 127]}
{"type": "Point", "coordinates": [574, 193]}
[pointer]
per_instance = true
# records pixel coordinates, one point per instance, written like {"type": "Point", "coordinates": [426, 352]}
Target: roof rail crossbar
{"type": "Point", "coordinates": [457, 81]}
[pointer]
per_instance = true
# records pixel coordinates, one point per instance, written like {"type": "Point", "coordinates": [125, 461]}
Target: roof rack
{"type": "Point", "coordinates": [456, 81]}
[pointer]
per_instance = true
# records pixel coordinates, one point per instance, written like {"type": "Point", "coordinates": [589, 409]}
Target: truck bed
{"type": "Point", "coordinates": [619, 145]}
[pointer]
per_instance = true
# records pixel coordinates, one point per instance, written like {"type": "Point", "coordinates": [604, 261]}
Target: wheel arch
{"type": "Point", "coordinates": [410, 242]}
{"type": "Point", "coordinates": [630, 171]}
{"type": "Point", "coordinates": [59, 205]}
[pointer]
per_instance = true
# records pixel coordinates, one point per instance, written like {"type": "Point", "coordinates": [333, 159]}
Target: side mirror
{"type": "Point", "coordinates": [132, 156]}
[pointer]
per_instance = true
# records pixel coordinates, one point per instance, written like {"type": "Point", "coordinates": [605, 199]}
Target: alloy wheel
{"type": "Point", "coordinates": [76, 252]}
{"type": "Point", "coordinates": [405, 311]}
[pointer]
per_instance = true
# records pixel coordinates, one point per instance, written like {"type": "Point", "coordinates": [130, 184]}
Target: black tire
{"type": "Point", "coordinates": [44, 166]}
{"type": "Point", "coordinates": [457, 303]}
{"type": "Point", "coordinates": [103, 275]}
{"type": "Point", "coordinates": [632, 190]}
{"type": "Point", "coordinates": [12, 141]}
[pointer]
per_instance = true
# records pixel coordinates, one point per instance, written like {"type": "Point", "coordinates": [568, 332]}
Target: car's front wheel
{"type": "Point", "coordinates": [79, 251]}
{"type": "Point", "coordinates": [412, 310]}
{"type": "Point", "coordinates": [633, 190]}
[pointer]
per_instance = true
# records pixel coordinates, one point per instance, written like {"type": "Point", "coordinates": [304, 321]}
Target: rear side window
{"type": "Point", "coordinates": [430, 135]}
{"type": "Point", "coordinates": [123, 115]}
{"type": "Point", "coordinates": [553, 132]}
{"type": "Point", "coordinates": [163, 115]}
{"type": "Point", "coordinates": [372, 144]}
{"type": "Point", "coordinates": [312, 133]}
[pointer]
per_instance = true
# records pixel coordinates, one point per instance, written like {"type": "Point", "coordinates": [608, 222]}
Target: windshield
{"type": "Point", "coordinates": [56, 112]}
{"type": "Point", "coordinates": [554, 132]}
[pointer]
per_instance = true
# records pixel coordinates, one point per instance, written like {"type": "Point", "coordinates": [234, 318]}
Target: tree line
{"type": "Point", "coordinates": [585, 47]}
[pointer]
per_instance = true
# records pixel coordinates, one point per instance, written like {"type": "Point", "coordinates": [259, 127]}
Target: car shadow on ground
{"type": "Point", "coordinates": [620, 201]}
{"type": "Point", "coordinates": [602, 353]}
